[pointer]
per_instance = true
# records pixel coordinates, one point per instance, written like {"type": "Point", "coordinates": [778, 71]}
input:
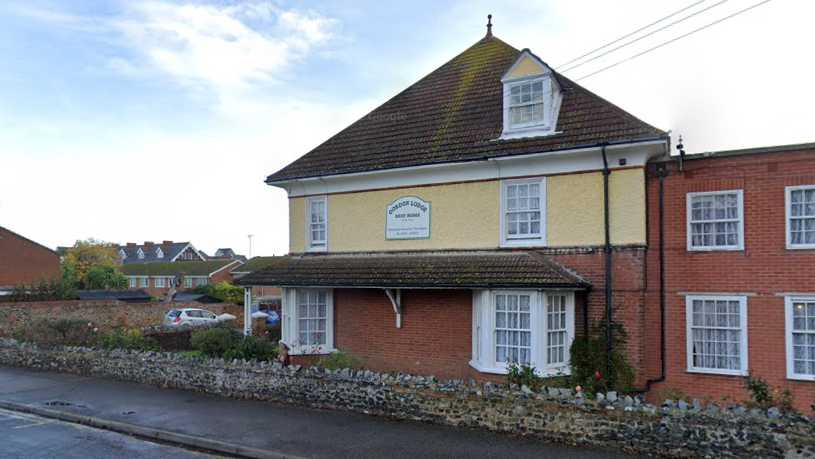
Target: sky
{"type": "Point", "coordinates": [155, 120]}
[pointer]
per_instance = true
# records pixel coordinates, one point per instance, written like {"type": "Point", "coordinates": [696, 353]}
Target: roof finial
{"type": "Point", "coordinates": [489, 25]}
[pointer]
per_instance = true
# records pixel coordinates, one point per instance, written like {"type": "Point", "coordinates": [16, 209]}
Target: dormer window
{"type": "Point", "coordinates": [140, 254]}
{"type": "Point", "coordinates": [159, 253]}
{"type": "Point", "coordinates": [531, 98]}
{"type": "Point", "coordinates": [123, 254]}
{"type": "Point", "coordinates": [526, 105]}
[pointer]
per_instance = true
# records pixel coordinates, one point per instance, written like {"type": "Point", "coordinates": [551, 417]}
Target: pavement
{"type": "Point", "coordinates": [251, 428]}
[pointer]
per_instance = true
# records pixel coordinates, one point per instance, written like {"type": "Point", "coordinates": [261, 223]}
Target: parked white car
{"type": "Point", "coordinates": [193, 317]}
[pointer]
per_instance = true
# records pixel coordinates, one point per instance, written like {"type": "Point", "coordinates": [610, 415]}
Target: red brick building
{"type": "Point", "coordinates": [23, 261]}
{"type": "Point", "coordinates": [156, 278]}
{"type": "Point", "coordinates": [739, 257]}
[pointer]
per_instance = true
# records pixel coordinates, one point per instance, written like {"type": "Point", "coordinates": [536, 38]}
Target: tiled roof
{"type": "Point", "coordinates": [439, 270]}
{"type": "Point", "coordinates": [454, 113]}
{"type": "Point", "coordinates": [167, 268]}
{"type": "Point", "coordinates": [255, 263]}
{"type": "Point", "coordinates": [150, 252]}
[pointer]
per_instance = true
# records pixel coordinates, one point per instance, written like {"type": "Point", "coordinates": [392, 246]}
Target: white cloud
{"type": "Point", "coordinates": [223, 46]}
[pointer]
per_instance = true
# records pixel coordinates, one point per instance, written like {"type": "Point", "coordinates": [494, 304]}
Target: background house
{"type": "Point", "coordinates": [24, 262]}
{"type": "Point", "coordinates": [167, 251]}
{"type": "Point", "coordinates": [156, 278]}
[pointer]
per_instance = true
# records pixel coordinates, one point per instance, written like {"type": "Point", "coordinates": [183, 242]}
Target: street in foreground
{"type": "Point", "coordinates": [34, 437]}
{"type": "Point", "coordinates": [284, 429]}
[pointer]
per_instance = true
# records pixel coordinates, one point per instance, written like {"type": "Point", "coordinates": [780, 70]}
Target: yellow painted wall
{"type": "Point", "coordinates": [467, 215]}
{"type": "Point", "coordinates": [297, 224]}
{"type": "Point", "coordinates": [574, 212]}
{"type": "Point", "coordinates": [526, 67]}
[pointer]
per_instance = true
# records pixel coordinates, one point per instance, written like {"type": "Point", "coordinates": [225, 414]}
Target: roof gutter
{"type": "Point", "coordinates": [561, 286]}
{"type": "Point", "coordinates": [482, 157]}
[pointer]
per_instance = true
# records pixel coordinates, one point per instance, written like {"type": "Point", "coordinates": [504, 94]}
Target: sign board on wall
{"type": "Point", "coordinates": [407, 217]}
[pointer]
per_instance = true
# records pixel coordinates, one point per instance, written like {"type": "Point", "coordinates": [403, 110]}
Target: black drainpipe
{"type": "Point", "coordinates": [607, 250]}
{"type": "Point", "coordinates": [661, 172]}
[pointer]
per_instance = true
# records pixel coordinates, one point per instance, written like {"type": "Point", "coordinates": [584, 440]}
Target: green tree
{"type": "Point", "coordinates": [226, 292]}
{"type": "Point", "coordinates": [88, 254]}
{"type": "Point", "coordinates": [105, 277]}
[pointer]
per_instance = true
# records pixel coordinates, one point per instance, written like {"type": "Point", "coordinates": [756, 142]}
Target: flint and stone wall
{"type": "Point", "coordinates": [670, 430]}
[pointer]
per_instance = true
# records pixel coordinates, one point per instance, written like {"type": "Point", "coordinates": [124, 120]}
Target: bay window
{"type": "Point", "coordinates": [308, 320]}
{"type": "Point", "coordinates": [525, 327]}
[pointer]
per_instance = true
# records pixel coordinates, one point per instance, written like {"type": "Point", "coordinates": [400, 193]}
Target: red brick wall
{"type": "Point", "coordinates": [435, 338]}
{"type": "Point", "coordinates": [104, 314]}
{"type": "Point", "coordinates": [436, 334]}
{"type": "Point", "coordinates": [23, 261]}
{"type": "Point", "coordinates": [764, 268]}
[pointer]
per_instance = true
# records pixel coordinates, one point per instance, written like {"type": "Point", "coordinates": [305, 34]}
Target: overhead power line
{"type": "Point", "coordinates": [632, 33]}
{"type": "Point", "coordinates": [646, 35]}
{"type": "Point", "coordinates": [673, 40]}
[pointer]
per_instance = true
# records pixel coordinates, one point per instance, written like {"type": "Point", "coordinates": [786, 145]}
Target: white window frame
{"type": "Point", "coordinates": [483, 331]}
{"type": "Point", "coordinates": [159, 253]}
{"type": "Point", "coordinates": [187, 282]}
{"type": "Point", "coordinates": [551, 106]}
{"type": "Point", "coordinates": [538, 241]}
{"type": "Point", "coordinates": [788, 216]}
{"type": "Point", "coordinates": [159, 282]}
{"type": "Point", "coordinates": [688, 214]}
{"type": "Point", "coordinates": [689, 334]}
{"type": "Point", "coordinates": [310, 245]}
{"type": "Point", "coordinates": [132, 281]}
{"type": "Point", "coordinates": [144, 282]}
{"type": "Point", "coordinates": [290, 322]}
{"type": "Point", "coordinates": [141, 254]}
{"type": "Point", "coordinates": [789, 300]}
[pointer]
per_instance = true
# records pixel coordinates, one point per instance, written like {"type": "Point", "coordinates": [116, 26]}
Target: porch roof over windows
{"type": "Point", "coordinates": [514, 269]}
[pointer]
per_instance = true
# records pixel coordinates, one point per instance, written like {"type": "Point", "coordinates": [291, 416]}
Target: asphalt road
{"type": "Point", "coordinates": [33, 437]}
{"type": "Point", "coordinates": [284, 429]}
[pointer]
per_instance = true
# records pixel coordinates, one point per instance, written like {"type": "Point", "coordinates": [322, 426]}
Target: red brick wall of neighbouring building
{"type": "Point", "coordinates": [763, 270]}
{"type": "Point", "coordinates": [23, 261]}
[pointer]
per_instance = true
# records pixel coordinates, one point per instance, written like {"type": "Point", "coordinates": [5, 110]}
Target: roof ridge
{"type": "Point", "coordinates": [31, 240]}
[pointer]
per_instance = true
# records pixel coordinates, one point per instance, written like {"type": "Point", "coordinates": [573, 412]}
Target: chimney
{"type": "Point", "coordinates": [147, 243]}
{"type": "Point", "coordinates": [166, 243]}
{"type": "Point", "coordinates": [130, 245]}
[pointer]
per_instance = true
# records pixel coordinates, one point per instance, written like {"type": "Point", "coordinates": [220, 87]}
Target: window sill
{"type": "Point", "coordinates": [801, 247]}
{"type": "Point", "coordinates": [302, 352]}
{"type": "Point", "coordinates": [794, 377]}
{"type": "Point", "coordinates": [523, 243]}
{"type": "Point", "coordinates": [529, 132]}
{"type": "Point", "coordinates": [715, 249]}
{"type": "Point", "coordinates": [713, 371]}
{"type": "Point", "coordinates": [561, 371]}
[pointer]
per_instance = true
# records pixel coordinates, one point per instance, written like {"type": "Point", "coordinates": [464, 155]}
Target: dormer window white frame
{"type": "Point", "coordinates": [123, 254]}
{"type": "Point", "coordinates": [317, 224]}
{"type": "Point", "coordinates": [159, 253]}
{"type": "Point", "coordinates": [531, 101]}
{"type": "Point", "coordinates": [140, 254]}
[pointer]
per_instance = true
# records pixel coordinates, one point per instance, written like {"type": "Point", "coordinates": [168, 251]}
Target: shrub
{"type": "Point", "coordinates": [60, 331]}
{"type": "Point", "coordinates": [589, 361]}
{"type": "Point", "coordinates": [253, 348]}
{"type": "Point", "coordinates": [45, 290]}
{"type": "Point", "coordinates": [524, 374]}
{"type": "Point", "coordinates": [763, 396]}
{"type": "Point", "coordinates": [213, 341]}
{"type": "Point", "coordinates": [339, 360]}
{"type": "Point", "coordinates": [128, 339]}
